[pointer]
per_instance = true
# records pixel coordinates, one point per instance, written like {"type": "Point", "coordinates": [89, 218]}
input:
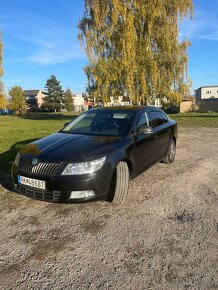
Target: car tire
{"type": "Point", "coordinates": [171, 152]}
{"type": "Point", "coordinates": [121, 183]}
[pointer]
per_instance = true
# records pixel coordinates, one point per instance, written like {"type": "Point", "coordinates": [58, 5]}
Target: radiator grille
{"type": "Point", "coordinates": [42, 168]}
{"type": "Point", "coordinates": [40, 194]}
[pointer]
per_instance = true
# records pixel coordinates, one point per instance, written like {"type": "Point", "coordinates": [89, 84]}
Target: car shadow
{"type": "Point", "coordinates": [6, 160]}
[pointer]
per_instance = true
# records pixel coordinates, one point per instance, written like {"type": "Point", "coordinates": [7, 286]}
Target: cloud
{"type": "Point", "coordinates": [44, 42]}
{"type": "Point", "coordinates": [53, 46]}
{"type": "Point", "coordinates": [203, 26]}
{"type": "Point", "coordinates": [56, 54]}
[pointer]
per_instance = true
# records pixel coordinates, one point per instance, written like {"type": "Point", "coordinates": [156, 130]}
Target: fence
{"type": "Point", "coordinates": [6, 112]}
{"type": "Point", "coordinates": [207, 105]}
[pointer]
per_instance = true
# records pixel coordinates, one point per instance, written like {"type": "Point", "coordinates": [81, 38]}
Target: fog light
{"type": "Point", "coordinates": [82, 194]}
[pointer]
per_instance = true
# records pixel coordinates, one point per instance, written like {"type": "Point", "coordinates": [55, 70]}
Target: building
{"type": "Point", "coordinates": [207, 99]}
{"type": "Point", "coordinates": [206, 93]}
{"type": "Point", "coordinates": [34, 99]}
{"type": "Point", "coordinates": [79, 103]}
{"type": "Point", "coordinates": [187, 104]}
{"type": "Point", "coordinates": [117, 101]}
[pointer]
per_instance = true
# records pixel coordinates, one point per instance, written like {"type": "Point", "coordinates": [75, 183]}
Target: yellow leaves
{"type": "Point", "coordinates": [143, 84]}
{"type": "Point", "coordinates": [133, 46]}
{"type": "Point", "coordinates": [1, 57]}
{"type": "Point", "coordinates": [17, 101]}
{"type": "Point", "coordinates": [3, 102]}
{"type": "Point", "coordinates": [174, 98]}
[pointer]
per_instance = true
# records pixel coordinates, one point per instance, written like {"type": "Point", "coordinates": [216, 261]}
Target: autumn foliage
{"type": "Point", "coordinates": [2, 94]}
{"type": "Point", "coordinates": [134, 50]}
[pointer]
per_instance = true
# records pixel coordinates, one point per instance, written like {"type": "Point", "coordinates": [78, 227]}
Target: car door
{"type": "Point", "coordinates": [143, 152]}
{"type": "Point", "coordinates": [159, 123]}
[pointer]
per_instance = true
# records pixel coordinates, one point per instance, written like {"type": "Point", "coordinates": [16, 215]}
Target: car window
{"type": "Point", "coordinates": [156, 119]}
{"type": "Point", "coordinates": [143, 120]}
{"type": "Point", "coordinates": [164, 117]}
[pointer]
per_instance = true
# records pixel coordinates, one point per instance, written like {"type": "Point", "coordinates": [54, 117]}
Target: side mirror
{"type": "Point", "coordinates": [144, 130]}
{"type": "Point", "coordinates": [66, 124]}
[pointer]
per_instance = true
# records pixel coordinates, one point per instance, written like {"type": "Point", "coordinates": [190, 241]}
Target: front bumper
{"type": "Point", "coordinates": [59, 188]}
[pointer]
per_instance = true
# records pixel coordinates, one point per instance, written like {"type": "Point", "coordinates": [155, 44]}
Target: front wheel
{"type": "Point", "coordinates": [171, 153]}
{"type": "Point", "coordinates": [121, 183]}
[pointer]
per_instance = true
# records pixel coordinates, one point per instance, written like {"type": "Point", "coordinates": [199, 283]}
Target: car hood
{"type": "Point", "coordinates": [61, 147]}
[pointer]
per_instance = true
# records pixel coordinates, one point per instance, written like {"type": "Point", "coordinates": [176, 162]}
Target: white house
{"type": "Point", "coordinates": [79, 103]}
{"type": "Point", "coordinates": [206, 93]}
{"type": "Point", "coordinates": [117, 101]}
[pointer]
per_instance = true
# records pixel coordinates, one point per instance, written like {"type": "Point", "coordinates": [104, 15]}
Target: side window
{"type": "Point", "coordinates": [164, 118]}
{"type": "Point", "coordinates": [143, 120]}
{"type": "Point", "coordinates": [156, 119]}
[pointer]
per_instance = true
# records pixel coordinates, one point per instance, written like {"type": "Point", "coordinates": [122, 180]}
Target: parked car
{"type": "Point", "coordinates": [94, 156]}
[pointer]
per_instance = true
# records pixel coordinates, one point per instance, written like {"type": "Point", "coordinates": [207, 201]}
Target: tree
{"type": "Point", "coordinates": [53, 94]}
{"type": "Point", "coordinates": [1, 57]}
{"type": "Point", "coordinates": [3, 101]}
{"type": "Point", "coordinates": [133, 48]}
{"type": "Point", "coordinates": [2, 94]}
{"type": "Point", "coordinates": [68, 101]}
{"type": "Point", "coordinates": [18, 100]}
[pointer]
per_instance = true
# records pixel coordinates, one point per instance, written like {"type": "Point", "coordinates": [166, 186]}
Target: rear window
{"type": "Point", "coordinates": [143, 120]}
{"type": "Point", "coordinates": [156, 119]}
{"type": "Point", "coordinates": [164, 117]}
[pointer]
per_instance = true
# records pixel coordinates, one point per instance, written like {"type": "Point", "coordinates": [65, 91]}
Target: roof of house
{"type": "Point", "coordinates": [207, 87]}
{"type": "Point", "coordinates": [187, 98]}
{"type": "Point", "coordinates": [31, 92]}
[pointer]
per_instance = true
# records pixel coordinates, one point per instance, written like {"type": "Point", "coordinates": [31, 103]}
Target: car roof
{"type": "Point", "coordinates": [126, 108]}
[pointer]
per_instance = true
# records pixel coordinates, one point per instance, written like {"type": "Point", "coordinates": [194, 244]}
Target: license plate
{"type": "Point", "coordinates": [31, 182]}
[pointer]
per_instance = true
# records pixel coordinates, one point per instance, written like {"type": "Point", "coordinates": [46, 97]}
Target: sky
{"type": "Point", "coordinates": [40, 39]}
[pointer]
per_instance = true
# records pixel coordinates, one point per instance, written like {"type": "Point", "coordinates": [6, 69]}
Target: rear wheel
{"type": "Point", "coordinates": [121, 183]}
{"type": "Point", "coordinates": [171, 153]}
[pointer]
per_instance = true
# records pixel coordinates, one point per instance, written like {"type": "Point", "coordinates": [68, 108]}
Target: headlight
{"type": "Point", "coordinates": [17, 159]}
{"type": "Point", "coordinates": [84, 167]}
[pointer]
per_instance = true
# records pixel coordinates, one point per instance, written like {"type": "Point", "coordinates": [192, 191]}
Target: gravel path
{"type": "Point", "coordinates": [164, 237]}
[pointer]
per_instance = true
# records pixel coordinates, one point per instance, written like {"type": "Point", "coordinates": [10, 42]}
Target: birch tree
{"type": "Point", "coordinates": [133, 48]}
{"type": "Point", "coordinates": [2, 93]}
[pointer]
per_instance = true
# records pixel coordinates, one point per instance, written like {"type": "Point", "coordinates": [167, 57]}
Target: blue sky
{"type": "Point", "coordinates": [40, 39]}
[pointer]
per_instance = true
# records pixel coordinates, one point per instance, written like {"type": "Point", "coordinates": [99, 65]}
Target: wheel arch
{"type": "Point", "coordinates": [174, 139]}
{"type": "Point", "coordinates": [174, 133]}
{"type": "Point", "coordinates": [130, 166]}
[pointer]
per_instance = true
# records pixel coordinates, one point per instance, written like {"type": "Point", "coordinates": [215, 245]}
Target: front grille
{"type": "Point", "coordinates": [42, 168]}
{"type": "Point", "coordinates": [40, 194]}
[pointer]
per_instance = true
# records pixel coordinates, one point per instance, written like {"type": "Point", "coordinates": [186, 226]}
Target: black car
{"type": "Point", "coordinates": [94, 156]}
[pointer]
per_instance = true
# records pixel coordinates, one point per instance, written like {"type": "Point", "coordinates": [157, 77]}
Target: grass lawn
{"type": "Point", "coordinates": [196, 119]}
{"type": "Point", "coordinates": [17, 131]}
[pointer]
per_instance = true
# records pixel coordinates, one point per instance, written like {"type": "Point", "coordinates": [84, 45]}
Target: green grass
{"type": "Point", "coordinates": [196, 119]}
{"type": "Point", "coordinates": [16, 131]}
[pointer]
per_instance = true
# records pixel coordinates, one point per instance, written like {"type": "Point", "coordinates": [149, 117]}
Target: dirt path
{"type": "Point", "coordinates": [164, 237]}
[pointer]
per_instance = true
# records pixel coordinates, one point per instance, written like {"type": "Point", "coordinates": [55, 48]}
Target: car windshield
{"type": "Point", "coordinates": [101, 123]}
